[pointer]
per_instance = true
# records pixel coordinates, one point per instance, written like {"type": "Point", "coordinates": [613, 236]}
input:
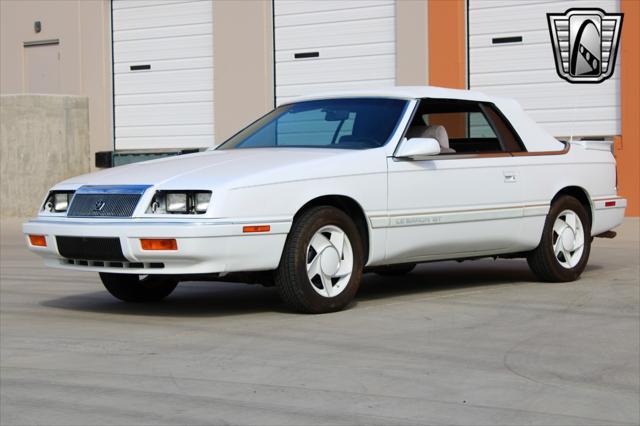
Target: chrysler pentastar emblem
{"type": "Point", "coordinates": [99, 206]}
{"type": "Point", "coordinates": [585, 43]}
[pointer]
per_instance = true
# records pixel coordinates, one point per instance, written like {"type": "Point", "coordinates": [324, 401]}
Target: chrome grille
{"type": "Point", "coordinates": [106, 201]}
{"type": "Point", "coordinates": [103, 205]}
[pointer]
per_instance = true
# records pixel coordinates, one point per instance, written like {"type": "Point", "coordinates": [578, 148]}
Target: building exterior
{"type": "Point", "coordinates": [177, 74]}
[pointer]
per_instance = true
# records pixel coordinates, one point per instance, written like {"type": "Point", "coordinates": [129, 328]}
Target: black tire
{"type": "Point", "coordinates": [293, 284]}
{"type": "Point", "coordinates": [543, 261]}
{"type": "Point", "coordinates": [395, 270]}
{"type": "Point", "coordinates": [131, 288]}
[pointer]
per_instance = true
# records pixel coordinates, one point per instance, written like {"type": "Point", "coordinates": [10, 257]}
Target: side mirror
{"type": "Point", "coordinates": [418, 147]}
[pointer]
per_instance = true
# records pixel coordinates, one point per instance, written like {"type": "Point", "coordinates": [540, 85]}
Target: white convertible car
{"type": "Point", "coordinates": [324, 188]}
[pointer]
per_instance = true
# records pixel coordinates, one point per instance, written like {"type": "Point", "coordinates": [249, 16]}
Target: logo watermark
{"type": "Point", "coordinates": [585, 43]}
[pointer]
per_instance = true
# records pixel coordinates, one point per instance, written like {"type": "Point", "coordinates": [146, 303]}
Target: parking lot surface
{"type": "Point", "coordinates": [473, 343]}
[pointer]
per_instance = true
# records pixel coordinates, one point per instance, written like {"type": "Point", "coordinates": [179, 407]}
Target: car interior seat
{"type": "Point", "coordinates": [436, 132]}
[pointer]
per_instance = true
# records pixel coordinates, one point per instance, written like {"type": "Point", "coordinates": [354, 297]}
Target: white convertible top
{"type": "Point", "coordinates": [534, 137]}
{"type": "Point", "coordinates": [401, 92]}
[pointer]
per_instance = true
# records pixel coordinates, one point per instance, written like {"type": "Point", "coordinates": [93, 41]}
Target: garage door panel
{"type": "Point", "coordinates": [546, 95]}
{"type": "Point", "coordinates": [154, 82]}
{"type": "Point", "coordinates": [354, 40]}
{"type": "Point", "coordinates": [549, 115]}
{"type": "Point", "coordinates": [163, 98]}
{"type": "Point", "coordinates": [493, 4]}
{"type": "Point", "coordinates": [118, 4]}
{"type": "Point", "coordinates": [290, 92]}
{"type": "Point", "coordinates": [161, 142]}
{"type": "Point", "coordinates": [163, 49]}
{"type": "Point", "coordinates": [334, 16]}
{"type": "Point", "coordinates": [526, 70]}
{"type": "Point", "coordinates": [163, 32]}
{"type": "Point", "coordinates": [524, 17]}
{"type": "Point", "coordinates": [165, 131]}
{"type": "Point", "coordinates": [160, 15]}
{"type": "Point", "coordinates": [530, 37]}
{"type": "Point", "coordinates": [509, 58]}
{"type": "Point", "coordinates": [518, 77]}
{"type": "Point", "coordinates": [580, 129]}
{"type": "Point", "coordinates": [338, 34]}
{"type": "Point", "coordinates": [165, 65]}
{"type": "Point", "coordinates": [169, 105]}
{"type": "Point", "coordinates": [386, 48]}
{"type": "Point", "coordinates": [337, 69]}
{"type": "Point", "coordinates": [306, 7]}
{"type": "Point", "coordinates": [164, 115]}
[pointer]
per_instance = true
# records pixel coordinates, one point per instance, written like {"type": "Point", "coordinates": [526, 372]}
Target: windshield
{"type": "Point", "coordinates": [330, 123]}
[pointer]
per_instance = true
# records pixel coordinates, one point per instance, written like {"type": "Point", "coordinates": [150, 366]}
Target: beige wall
{"type": "Point", "coordinates": [84, 30]}
{"type": "Point", "coordinates": [43, 139]}
{"type": "Point", "coordinates": [243, 63]}
{"type": "Point", "coordinates": [412, 43]}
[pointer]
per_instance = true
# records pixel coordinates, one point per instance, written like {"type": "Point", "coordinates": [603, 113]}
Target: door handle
{"type": "Point", "coordinates": [510, 177]}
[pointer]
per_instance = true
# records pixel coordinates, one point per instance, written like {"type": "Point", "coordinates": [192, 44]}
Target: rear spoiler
{"type": "Point", "coordinates": [594, 145]}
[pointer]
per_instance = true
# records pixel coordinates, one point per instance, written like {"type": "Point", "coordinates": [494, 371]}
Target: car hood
{"type": "Point", "coordinates": [236, 167]}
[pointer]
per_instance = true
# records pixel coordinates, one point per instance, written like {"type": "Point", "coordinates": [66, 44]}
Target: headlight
{"type": "Point", "coordinates": [58, 201]}
{"type": "Point", "coordinates": [180, 202]}
{"type": "Point", "coordinates": [202, 201]}
{"type": "Point", "coordinates": [177, 203]}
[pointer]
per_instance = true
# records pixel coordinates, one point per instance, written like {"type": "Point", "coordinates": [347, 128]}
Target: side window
{"type": "Point", "coordinates": [479, 127]}
{"type": "Point", "coordinates": [463, 127]}
{"type": "Point", "coordinates": [508, 137]}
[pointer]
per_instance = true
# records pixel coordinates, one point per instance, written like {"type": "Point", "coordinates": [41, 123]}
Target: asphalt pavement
{"type": "Point", "coordinates": [473, 343]}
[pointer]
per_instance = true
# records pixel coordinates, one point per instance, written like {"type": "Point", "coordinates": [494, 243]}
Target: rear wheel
{"type": "Point", "coordinates": [564, 249]}
{"type": "Point", "coordinates": [322, 262]}
{"type": "Point", "coordinates": [138, 288]}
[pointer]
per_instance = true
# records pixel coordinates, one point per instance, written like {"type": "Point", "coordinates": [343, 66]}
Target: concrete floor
{"type": "Point", "coordinates": [479, 343]}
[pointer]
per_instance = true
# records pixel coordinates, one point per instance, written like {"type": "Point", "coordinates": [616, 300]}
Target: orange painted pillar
{"type": "Point", "coordinates": [628, 150]}
{"type": "Point", "coordinates": [447, 44]}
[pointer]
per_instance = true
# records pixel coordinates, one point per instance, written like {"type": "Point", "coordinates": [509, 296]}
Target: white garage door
{"type": "Point", "coordinates": [526, 70]}
{"type": "Point", "coordinates": [163, 74]}
{"type": "Point", "coordinates": [333, 44]}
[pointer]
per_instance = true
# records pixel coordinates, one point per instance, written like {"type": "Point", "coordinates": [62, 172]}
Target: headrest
{"type": "Point", "coordinates": [436, 132]}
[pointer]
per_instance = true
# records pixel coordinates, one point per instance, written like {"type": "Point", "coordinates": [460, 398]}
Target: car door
{"type": "Point", "coordinates": [458, 204]}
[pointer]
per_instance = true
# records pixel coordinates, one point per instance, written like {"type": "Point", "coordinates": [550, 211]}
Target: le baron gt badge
{"type": "Point", "coordinates": [585, 43]}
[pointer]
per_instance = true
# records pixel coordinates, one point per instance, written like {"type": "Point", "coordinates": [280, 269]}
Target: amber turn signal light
{"type": "Point", "coordinates": [256, 228]}
{"type": "Point", "coordinates": [158, 244]}
{"type": "Point", "coordinates": [38, 240]}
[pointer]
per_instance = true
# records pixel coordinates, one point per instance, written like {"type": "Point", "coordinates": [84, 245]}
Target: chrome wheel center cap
{"type": "Point", "coordinates": [330, 261]}
{"type": "Point", "coordinates": [568, 239]}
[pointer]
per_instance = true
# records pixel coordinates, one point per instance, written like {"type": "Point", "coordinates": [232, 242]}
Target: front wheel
{"type": "Point", "coordinates": [322, 262]}
{"type": "Point", "coordinates": [136, 288]}
{"type": "Point", "coordinates": [564, 249]}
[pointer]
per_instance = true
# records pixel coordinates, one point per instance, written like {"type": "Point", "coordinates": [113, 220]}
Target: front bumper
{"type": "Point", "coordinates": [203, 246]}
